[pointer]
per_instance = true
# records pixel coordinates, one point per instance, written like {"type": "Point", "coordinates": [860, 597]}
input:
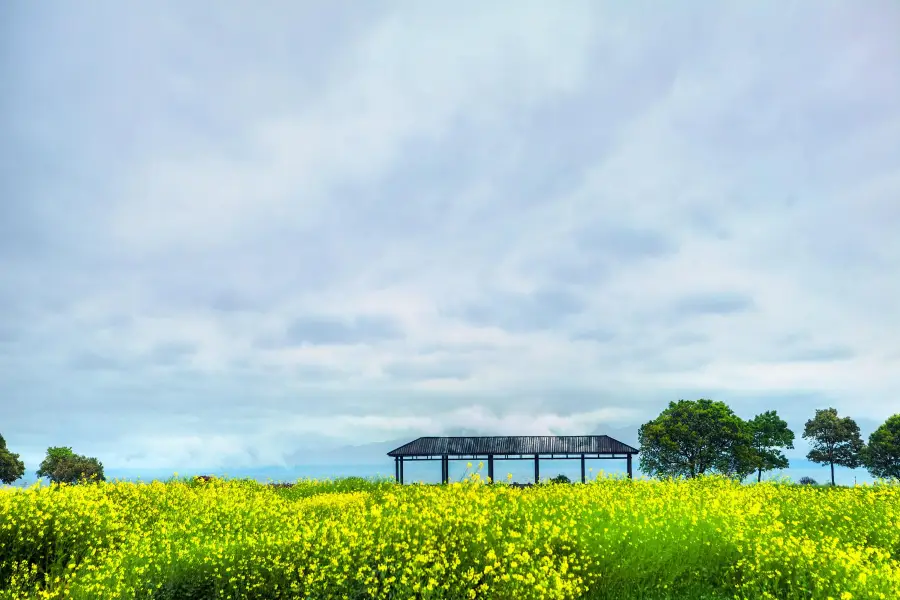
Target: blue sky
{"type": "Point", "coordinates": [231, 234]}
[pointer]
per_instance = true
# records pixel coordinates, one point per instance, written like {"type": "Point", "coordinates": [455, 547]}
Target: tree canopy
{"type": "Point", "coordinates": [882, 456]}
{"type": "Point", "coordinates": [770, 433]}
{"type": "Point", "coordinates": [835, 440]}
{"type": "Point", "coordinates": [11, 467]}
{"type": "Point", "coordinates": [61, 465]}
{"type": "Point", "coordinates": [691, 437]}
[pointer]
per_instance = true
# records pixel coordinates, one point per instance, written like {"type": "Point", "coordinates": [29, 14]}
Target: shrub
{"type": "Point", "coordinates": [64, 466]}
{"type": "Point", "coordinates": [807, 481]}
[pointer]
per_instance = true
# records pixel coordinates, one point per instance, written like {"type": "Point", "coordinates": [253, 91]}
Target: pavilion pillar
{"type": "Point", "coordinates": [582, 468]}
{"type": "Point", "coordinates": [401, 470]}
{"type": "Point", "coordinates": [629, 467]}
{"type": "Point", "coordinates": [396, 469]}
{"type": "Point", "coordinates": [445, 468]}
{"type": "Point", "coordinates": [537, 468]}
{"type": "Point", "coordinates": [491, 467]}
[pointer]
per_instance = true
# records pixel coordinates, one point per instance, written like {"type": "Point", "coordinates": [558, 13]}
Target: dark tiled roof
{"type": "Point", "coordinates": [519, 444]}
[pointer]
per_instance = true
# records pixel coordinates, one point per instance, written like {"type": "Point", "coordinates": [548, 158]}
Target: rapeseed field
{"type": "Point", "coordinates": [614, 538]}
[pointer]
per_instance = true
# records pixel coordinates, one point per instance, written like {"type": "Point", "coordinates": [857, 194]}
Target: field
{"type": "Point", "coordinates": [612, 538]}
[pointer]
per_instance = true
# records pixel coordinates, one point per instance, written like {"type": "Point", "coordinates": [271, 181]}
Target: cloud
{"type": "Point", "coordinates": [626, 243]}
{"type": "Point", "coordinates": [595, 335]}
{"type": "Point", "coordinates": [427, 370]}
{"type": "Point", "coordinates": [824, 354]}
{"type": "Point", "coordinates": [259, 230]}
{"type": "Point", "coordinates": [715, 303]}
{"type": "Point", "coordinates": [521, 312]}
{"type": "Point", "coordinates": [92, 361]}
{"type": "Point", "coordinates": [171, 353]}
{"type": "Point", "coordinates": [325, 331]}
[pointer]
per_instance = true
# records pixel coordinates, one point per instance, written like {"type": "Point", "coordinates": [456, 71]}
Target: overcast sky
{"type": "Point", "coordinates": [229, 233]}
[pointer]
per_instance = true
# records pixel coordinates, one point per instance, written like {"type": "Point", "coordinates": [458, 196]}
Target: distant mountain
{"type": "Point", "coordinates": [373, 453]}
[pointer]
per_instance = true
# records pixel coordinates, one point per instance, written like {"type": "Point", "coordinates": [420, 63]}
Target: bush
{"type": "Point", "coordinates": [560, 479]}
{"type": "Point", "coordinates": [807, 481]}
{"type": "Point", "coordinates": [64, 466]}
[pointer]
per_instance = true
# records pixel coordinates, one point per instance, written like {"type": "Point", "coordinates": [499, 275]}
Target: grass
{"type": "Point", "coordinates": [358, 538]}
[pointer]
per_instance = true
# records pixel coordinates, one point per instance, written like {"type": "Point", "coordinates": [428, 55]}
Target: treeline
{"type": "Point", "coordinates": [693, 437]}
{"type": "Point", "coordinates": [688, 439]}
{"type": "Point", "coordinates": [61, 465]}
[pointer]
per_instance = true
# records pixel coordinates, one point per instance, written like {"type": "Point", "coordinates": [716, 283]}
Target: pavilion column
{"type": "Point", "coordinates": [445, 468]}
{"type": "Point", "coordinates": [629, 467]}
{"type": "Point", "coordinates": [396, 469]}
{"type": "Point", "coordinates": [491, 467]}
{"type": "Point", "coordinates": [582, 468]}
{"type": "Point", "coordinates": [537, 468]}
{"type": "Point", "coordinates": [401, 470]}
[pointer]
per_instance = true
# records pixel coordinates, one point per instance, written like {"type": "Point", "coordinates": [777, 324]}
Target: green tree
{"type": "Point", "coordinates": [835, 440]}
{"type": "Point", "coordinates": [770, 433]}
{"type": "Point", "coordinates": [739, 457]}
{"type": "Point", "coordinates": [882, 456]}
{"type": "Point", "coordinates": [691, 437]}
{"type": "Point", "coordinates": [11, 467]}
{"type": "Point", "coordinates": [55, 457]}
{"type": "Point", "coordinates": [61, 465]}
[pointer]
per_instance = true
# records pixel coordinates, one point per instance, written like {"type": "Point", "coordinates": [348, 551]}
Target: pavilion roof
{"type": "Point", "coordinates": [516, 444]}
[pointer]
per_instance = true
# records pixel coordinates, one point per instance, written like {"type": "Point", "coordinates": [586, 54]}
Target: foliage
{"type": "Point", "coordinates": [11, 467]}
{"type": "Point", "coordinates": [807, 481]}
{"type": "Point", "coordinates": [739, 458]}
{"type": "Point", "coordinates": [61, 465]}
{"type": "Point", "coordinates": [55, 457]}
{"type": "Point", "coordinates": [613, 538]}
{"type": "Point", "coordinates": [835, 440]}
{"type": "Point", "coordinates": [882, 456]}
{"type": "Point", "coordinates": [691, 437]}
{"type": "Point", "coordinates": [560, 479]}
{"type": "Point", "coordinates": [769, 433]}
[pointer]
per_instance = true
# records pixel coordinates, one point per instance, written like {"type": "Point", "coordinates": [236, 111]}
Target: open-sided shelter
{"type": "Point", "coordinates": [519, 447]}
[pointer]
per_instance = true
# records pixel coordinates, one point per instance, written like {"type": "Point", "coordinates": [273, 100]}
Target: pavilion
{"type": "Point", "coordinates": [527, 447]}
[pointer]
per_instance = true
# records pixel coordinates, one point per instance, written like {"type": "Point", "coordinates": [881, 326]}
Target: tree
{"type": "Point", "coordinates": [55, 457]}
{"type": "Point", "coordinates": [770, 433]}
{"type": "Point", "coordinates": [691, 437]}
{"type": "Point", "coordinates": [64, 466]}
{"type": "Point", "coordinates": [835, 441]}
{"type": "Point", "coordinates": [882, 456]}
{"type": "Point", "coordinates": [807, 481]}
{"type": "Point", "coordinates": [739, 457]}
{"type": "Point", "coordinates": [11, 467]}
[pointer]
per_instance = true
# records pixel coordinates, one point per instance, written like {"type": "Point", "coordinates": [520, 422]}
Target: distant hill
{"type": "Point", "coordinates": [373, 453]}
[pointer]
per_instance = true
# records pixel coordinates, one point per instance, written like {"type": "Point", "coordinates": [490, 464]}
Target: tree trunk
{"type": "Point", "coordinates": [759, 477]}
{"type": "Point", "coordinates": [832, 474]}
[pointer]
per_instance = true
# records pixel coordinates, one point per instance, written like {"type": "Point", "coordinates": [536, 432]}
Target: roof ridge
{"type": "Point", "coordinates": [513, 444]}
{"type": "Point", "coordinates": [447, 437]}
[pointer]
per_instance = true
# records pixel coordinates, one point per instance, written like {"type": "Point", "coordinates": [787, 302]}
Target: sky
{"type": "Point", "coordinates": [229, 237]}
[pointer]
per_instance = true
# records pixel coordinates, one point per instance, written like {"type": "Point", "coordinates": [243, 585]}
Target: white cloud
{"type": "Point", "coordinates": [408, 80]}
